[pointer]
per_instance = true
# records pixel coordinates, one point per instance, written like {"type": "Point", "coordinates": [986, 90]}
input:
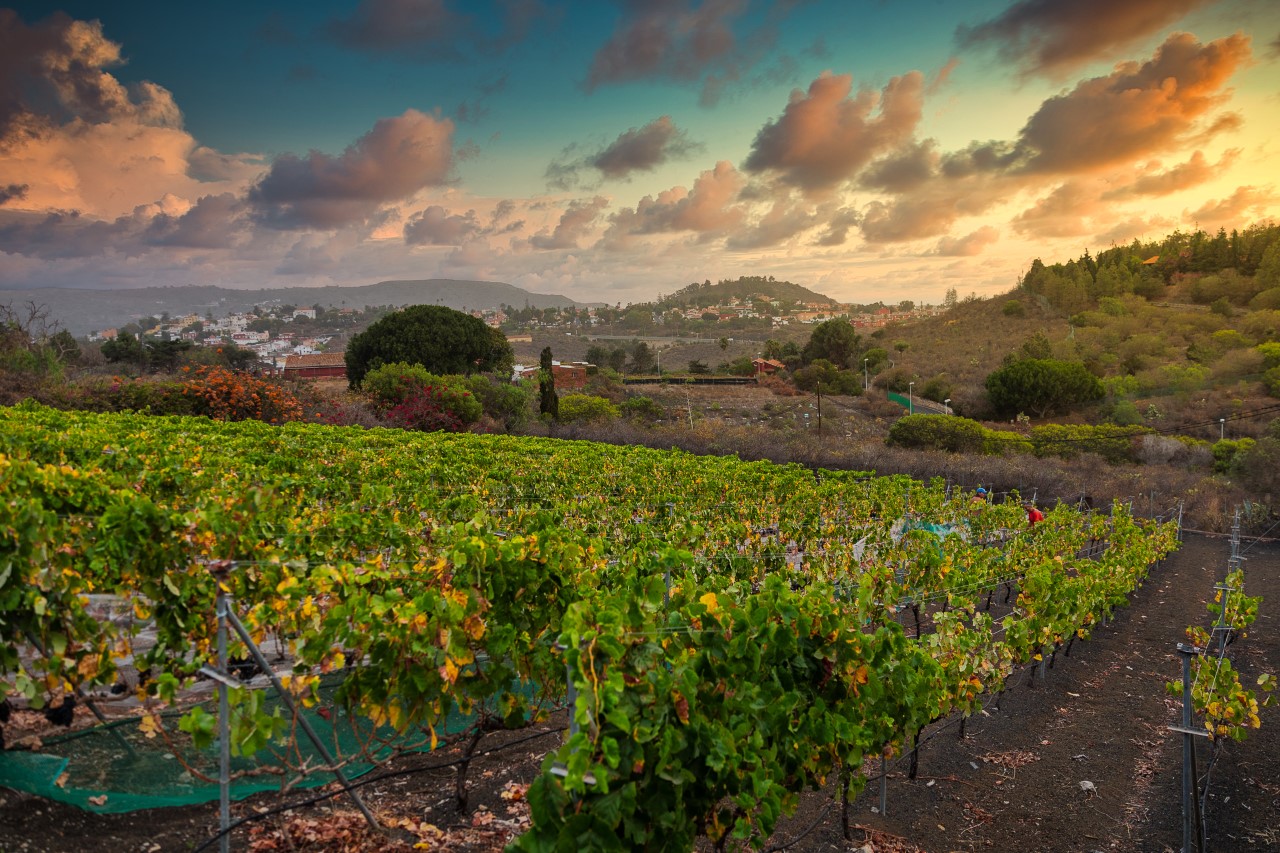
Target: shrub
{"type": "Point", "coordinates": [1228, 454]}
{"type": "Point", "coordinates": [1013, 308]}
{"type": "Point", "coordinates": [1270, 352]}
{"type": "Point", "coordinates": [1272, 380]}
{"type": "Point", "coordinates": [1173, 450]}
{"type": "Point", "coordinates": [937, 432]}
{"type": "Point", "coordinates": [412, 398]}
{"type": "Point", "coordinates": [229, 395]}
{"type": "Point", "coordinates": [393, 385]}
{"type": "Point", "coordinates": [936, 389]}
{"type": "Point", "coordinates": [642, 408]}
{"type": "Point", "coordinates": [506, 403]}
{"type": "Point", "coordinates": [435, 408]}
{"type": "Point", "coordinates": [996, 442]}
{"type": "Point", "coordinates": [584, 408]}
{"type": "Point", "coordinates": [1126, 414]}
{"type": "Point", "coordinates": [1266, 300]}
{"type": "Point", "coordinates": [1113, 443]}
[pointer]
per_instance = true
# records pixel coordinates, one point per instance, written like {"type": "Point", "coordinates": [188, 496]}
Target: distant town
{"type": "Point", "coordinates": [279, 332]}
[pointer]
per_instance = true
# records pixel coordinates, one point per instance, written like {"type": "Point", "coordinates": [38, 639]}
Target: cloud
{"type": "Point", "coordinates": [1236, 209]}
{"type": "Point", "coordinates": [1273, 49]}
{"type": "Point", "coordinates": [909, 167]}
{"type": "Point", "coordinates": [214, 222]}
{"type": "Point", "coordinates": [310, 255]}
{"type": "Point", "coordinates": [643, 149]}
{"type": "Point", "coordinates": [13, 191]}
{"type": "Point", "coordinates": [708, 209]}
{"type": "Point", "coordinates": [825, 136]}
{"type": "Point", "coordinates": [1099, 130]}
{"type": "Point", "coordinates": [785, 219]}
{"type": "Point", "coordinates": [78, 138]}
{"type": "Point", "coordinates": [838, 225]}
{"type": "Point", "coordinates": [431, 30]}
{"type": "Point", "coordinates": [435, 226]}
{"type": "Point", "coordinates": [574, 223]}
{"type": "Point", "coordinates": [1062, 213]}
{"type": "Point", "coordinates": [394, 160]}
{"type": "Point", "coordinates": [1055, 37]}
{"type": "Point", "coordinates": [640, 149]}
{"type": "Point", "coordinates": [1195, 171]}
{"type": "Point", "coordinates": [1135, 227]}
{"type": "Point", "coordinates": [1136, 110]}
{"type": "Point", "coordinates": [665, 38]}
{"type": "Point", "coordinates": [968, 245]}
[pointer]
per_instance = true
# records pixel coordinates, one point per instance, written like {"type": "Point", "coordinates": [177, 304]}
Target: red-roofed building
{"type": "Point", "coordinates": [319, 366]}
{"type": "Point", "coordinates": [767, 366]}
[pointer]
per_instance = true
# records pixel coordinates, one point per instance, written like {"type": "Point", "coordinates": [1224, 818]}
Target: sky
{"type": "Point", "coordinates": [873, 150]}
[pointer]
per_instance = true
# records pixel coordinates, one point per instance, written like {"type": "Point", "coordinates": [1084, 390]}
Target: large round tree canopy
{"type": "Point", "coordinates": [442, 340]}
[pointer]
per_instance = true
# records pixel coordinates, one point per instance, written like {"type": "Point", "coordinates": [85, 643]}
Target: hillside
{"type": "Point", "coordinates": [706, 293]}
{"type": "Point", "coordinates": [83, 311]}
{"type": "Point", "coordinates": [1173, 328]}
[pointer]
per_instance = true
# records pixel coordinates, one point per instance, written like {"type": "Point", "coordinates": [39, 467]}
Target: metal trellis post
{"type": "Point", "coordinates": [1192, 821]}
{"type": "Point", "coordinates": [303, 722]}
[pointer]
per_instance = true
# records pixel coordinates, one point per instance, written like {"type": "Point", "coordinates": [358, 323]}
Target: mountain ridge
{"type": "Point", "coordinates": [83, 311]}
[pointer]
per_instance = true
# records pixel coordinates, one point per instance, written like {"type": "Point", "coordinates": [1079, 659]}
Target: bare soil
{"type": "Point", "coordinates": [1013, 782]}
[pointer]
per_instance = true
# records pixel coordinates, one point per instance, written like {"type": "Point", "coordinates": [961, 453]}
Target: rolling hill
{"type": "Point", "coordinates": [83, 311]}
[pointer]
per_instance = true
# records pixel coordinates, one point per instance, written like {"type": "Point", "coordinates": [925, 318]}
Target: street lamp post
{"type": "Point", "coordinates": [947, 403]}
{"type": "Point", "coordinates": [866, 384]}
{"type": "Point", "coordinates": [1222, 428]}
{"type": "Point", "coordinates": [911, 398]}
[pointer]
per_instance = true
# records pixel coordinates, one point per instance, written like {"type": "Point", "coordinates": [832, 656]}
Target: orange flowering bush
{"type": "Point", "coordinates": [230, 395]}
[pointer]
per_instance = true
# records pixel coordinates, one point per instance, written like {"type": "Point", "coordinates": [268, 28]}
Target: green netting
{"type": "Point", "coordinates": [115, 768]}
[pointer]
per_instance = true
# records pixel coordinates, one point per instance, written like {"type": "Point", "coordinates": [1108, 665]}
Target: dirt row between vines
{"type": "Point", "coordinates": [1013, 782]}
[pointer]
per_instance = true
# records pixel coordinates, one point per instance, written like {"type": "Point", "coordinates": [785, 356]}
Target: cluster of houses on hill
{"type": "Point", "coordinates": [271, 347]}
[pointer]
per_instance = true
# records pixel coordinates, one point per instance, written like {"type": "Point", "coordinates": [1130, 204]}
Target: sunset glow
{"type": "Point", "coordinates": [612, 151]}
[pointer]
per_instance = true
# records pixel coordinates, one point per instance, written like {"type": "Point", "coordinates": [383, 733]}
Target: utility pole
{"type": "Point", "coordinates": [819, 408]}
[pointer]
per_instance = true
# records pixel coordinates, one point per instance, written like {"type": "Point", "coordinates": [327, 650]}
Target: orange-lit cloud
{"type": "Point", "coordinates": [708, 209]}
{"type": "Point", "coordinates": [1053, 37]}
{"type": "Point", "coordinates": [1062, 213]}
{"type": "Point", "coordinates": [1136, 227]}
{"type": "Point", "coordinates": [824, 136]}
{"type": "Point", "coordinates": [78, 139]}
{"type": "Point", "coordinates": [1243, 204]}
{"type": "Point", "coordinates": [1195, 171]}
{"type": "Point", "coordinates": [968, 245]}
{"type": "Point", "coordinates": [1136, 111]}
{"type": "Point", "coordinates": [574, 224]}
{"type": "Point", "coordinates": [394, 160]}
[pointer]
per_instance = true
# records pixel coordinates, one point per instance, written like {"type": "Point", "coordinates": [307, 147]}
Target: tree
{"type": "Point", "coordinates": [165, 355]}
{"type": "Point", "coordinates": [1041, 386]}
{"type": "Point", "coordinates": [698, 368]}
{"type": "Point", "coordinates": [642, 360]}
{"type": "Point", "coordinates": [831, 379]}
{"type": "Point", "coordinates": [835, 341]}
{"type": "Point", "coordinates": [442, 340]}
{"type": "Point", "coordinates": [597, 355]}
{"type": "Point", "coordinates": [64, 346]}
{"type": "Point", "coordinates": [126, 349]}
{"type": "Point", "coordinates": [549, 402]}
